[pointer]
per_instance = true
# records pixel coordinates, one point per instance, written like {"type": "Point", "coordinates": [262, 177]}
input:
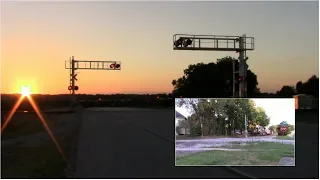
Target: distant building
{"type": "Point", "coordinates": [178, 119]}
{"type": "Point", "coordinates": [304, 101]}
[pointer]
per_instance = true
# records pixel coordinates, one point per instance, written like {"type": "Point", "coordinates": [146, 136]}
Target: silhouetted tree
{"type": "Point", "coordinates": [299, 87]}
{"type": "Point", "coordinates": [286, 91]}
{"type": "Point", "coordinates": [211, 80]}
{"type": "Point", "coordinates": [311, 87]}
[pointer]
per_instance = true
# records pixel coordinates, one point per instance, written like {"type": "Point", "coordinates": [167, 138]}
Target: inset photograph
{"type": "Point", "coordinates": [234, 132]}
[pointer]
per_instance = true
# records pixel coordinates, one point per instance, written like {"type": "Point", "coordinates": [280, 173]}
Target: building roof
{"type": "Point", "coordinates": [178, 115]}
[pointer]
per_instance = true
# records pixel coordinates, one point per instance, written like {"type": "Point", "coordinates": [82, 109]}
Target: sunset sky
{"type": "Point", "coordinates": [38, 37]}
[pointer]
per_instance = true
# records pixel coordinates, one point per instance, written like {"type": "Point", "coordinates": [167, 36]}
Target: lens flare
{"type": "Point", "coordinates": [25, 91]}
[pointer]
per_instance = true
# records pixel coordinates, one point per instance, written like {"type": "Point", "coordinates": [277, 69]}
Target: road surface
{"type": "Point", "coordinates": [119, 143]}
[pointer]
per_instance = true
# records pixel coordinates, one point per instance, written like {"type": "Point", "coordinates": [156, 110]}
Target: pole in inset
{"type": "Point", "coordinates": [245, 125]}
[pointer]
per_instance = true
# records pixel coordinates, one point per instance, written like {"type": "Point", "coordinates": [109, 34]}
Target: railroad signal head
{"type": "Point", "coordinates": [187, 42]}
{"type": "Point", "coordinates": [115, 66]}
{"type": "Point", "coordinates": [240, 79]}
{"type": "Point", "coordinates": [178, 42]}
{"type": "Point", "coordinates": [75, 88]}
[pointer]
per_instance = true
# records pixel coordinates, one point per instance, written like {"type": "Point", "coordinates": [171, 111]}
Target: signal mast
{"type": "Point", "coordinates": [87, 65]}
{"type": "Point", "coordinates": [239, 44]}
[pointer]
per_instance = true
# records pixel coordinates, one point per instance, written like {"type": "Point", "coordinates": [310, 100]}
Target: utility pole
{"type": "Point", "coordinates": [240, 44]}
{"type": "Point", "coordinates": [245, 126]}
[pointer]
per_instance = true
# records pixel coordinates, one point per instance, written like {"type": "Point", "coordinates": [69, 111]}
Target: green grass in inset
{"type": "Point", "coordinates": [262, 153]}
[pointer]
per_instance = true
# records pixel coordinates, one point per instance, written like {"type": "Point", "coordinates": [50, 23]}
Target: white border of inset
{"type": "Point", "coordinates": [293, 111]}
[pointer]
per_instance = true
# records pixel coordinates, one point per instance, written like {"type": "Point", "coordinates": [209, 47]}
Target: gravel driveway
{"type": "Point", "coordinates": [193, 146]}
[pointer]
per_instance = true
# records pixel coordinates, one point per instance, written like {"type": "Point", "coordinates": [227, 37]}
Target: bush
{"type": "Point", "coordinates": [195, 130]}
{"type": "Point", "coordinates": [289, 129]}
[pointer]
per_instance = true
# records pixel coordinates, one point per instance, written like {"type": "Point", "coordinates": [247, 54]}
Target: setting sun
{"type": "Point", "coordinates": [25, 90]}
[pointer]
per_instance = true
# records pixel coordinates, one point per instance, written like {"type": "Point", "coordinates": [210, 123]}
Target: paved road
{"type": "Point", "coordinates": [111, 146]}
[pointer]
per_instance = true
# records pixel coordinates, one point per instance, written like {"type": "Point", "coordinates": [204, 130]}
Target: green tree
{"type": "Point", "coordinates": [272, 128]}
{"type": "Point", "coordinates": [260, 117]}
{"type": "Point", "coordinates": [222, 116]}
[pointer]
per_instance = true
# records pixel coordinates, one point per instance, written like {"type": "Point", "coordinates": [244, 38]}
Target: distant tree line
{"type": "Point", "coordinates": [87, 101]}
{"type": "Point", "coordinates": [221, 116]}
{"type": "Point", "coordinates": [215, 80]}
{"type": "Point", "coordinates": [310, 87]}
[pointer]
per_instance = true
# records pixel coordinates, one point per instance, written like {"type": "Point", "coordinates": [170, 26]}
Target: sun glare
{"type": "Point", "coordinates": [25, 90]}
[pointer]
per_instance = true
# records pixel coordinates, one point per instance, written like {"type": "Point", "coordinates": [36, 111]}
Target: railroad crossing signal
{"type": "Point", "coordinates": [88, 65]}
{"type": "Point", "coordinates": [74, 76]}
{"type": "Point", "coordinates": [240, 44]}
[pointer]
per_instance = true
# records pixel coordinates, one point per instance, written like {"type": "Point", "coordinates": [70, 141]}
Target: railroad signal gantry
{"type": "Point", "coordinates": [88, 65]}
{"type": "Point", "coordinates": [240, 44]}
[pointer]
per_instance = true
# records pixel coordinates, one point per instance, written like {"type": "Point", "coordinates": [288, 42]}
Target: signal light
{"type": "Point", "coordinates": [187, 42]}
{"type": "Point", "coordinates": [75, 88]}
{"type": "Point", "coordinates": [114, 66]}
{"type": "Point", "coordinates": [178, 42]}
{"type": "Point", "coordinates": [240, 79]}
{"type": "Point", "coordinates": [180, 96]}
